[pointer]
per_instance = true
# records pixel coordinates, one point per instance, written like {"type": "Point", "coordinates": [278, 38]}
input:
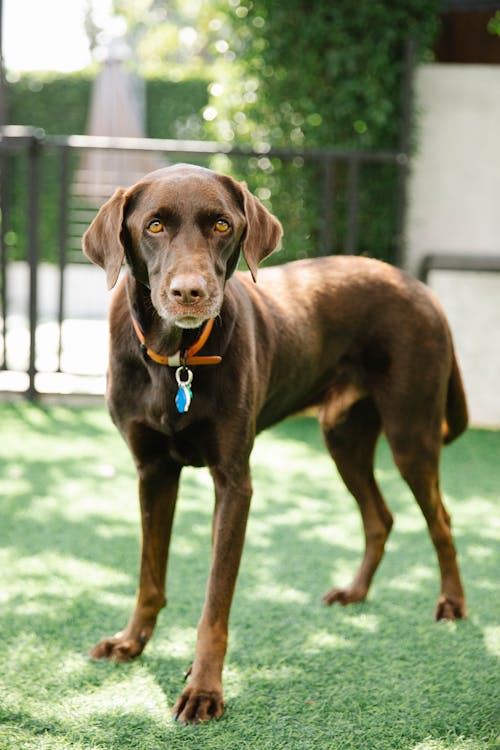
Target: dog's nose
{"type": "Point", "coordinates": [188, 288]}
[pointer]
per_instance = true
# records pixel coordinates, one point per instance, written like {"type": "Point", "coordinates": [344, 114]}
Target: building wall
{"type": "Point", "coordinates": [454, 207]}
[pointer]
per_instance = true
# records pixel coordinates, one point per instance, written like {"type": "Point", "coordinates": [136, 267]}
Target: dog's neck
{"type": "Point", "coordinates": [161, 336]}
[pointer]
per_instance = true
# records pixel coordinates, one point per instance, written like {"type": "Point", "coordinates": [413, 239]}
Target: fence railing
{"type": "Point", "coordinates": [78, 200]}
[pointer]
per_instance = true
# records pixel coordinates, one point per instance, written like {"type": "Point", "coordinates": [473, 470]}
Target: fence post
{"type": "Point", "coordinates": [33, 253]}
{"type": "Point", "coordinates": [410, 56]}
{"type": "Point", "coordinates": [3, 258]}
{"type": "Point", "coordinates": [352, 223]}
{"type": "Point", "coordinates": [62, 240]}
{"type": "Point", "coordinates": [327, 228]}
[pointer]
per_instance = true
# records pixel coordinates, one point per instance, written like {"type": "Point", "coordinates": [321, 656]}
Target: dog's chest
{"type": "Point", "coordinates": [189, 437]}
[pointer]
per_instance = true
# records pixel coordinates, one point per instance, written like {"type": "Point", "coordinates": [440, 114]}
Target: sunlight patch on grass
{"type": "Point", "coordinates": [282, 453]}
{"type": "Point", "coordinates": [292, 517]}
{"type": "Point", "coordinates": [193, 479]}
{"type": "Point", "coordinates": [492, 640]}
{"type": "Point", "coordinates": [22, 650]}
{"type": "Point", "coordinates": [347, 536]}
{"type": "Point", "coordinates": [367, 623]}
{"type": "Point", "coordinates": [490, 586]}
{"type": "Point", "coordinates": [70, 668]}
{"type": "Point", "coordinates": [50, 583]}
{"type": "Point", "coordinates": [323, 639]}
{"type": "Point", "coordinates": [413, 578]}
{"type": "Point", "coordinates": [258, 536]}
{"type": "Point", "coordinates": [410, 522]}
{"type": "Point", "coordinates": [63, 571]}
{"type": "Point", "coordinates": [234, 680]}
{"type": "Point", "coordinates": [185, 546]}
{"type": "Point", "coordinates": [455, 744]}
{"type": "Point", "coordinates": [50, 509]}
{"type": "Point", "coordinates": [269, 591]}
{"type": "Point", "coordinates": [266, 585]}
{"type": "Point", "coordinates": [477, 552]}
{"type": "Point", "coordinates": [110, 531]}
{"type": "Point", "coordinates": [137, 693]}
{"type": "Point", "coordinates": [105, 471]}
{"type": "Point", "coordinates": [13, 486]}
{"type": "Point", "coordinates": [179, 643]}
{"type": "Point", "coordinates": [386, 474]}
{"type": "Point", "coordinates": [343, 570]}
{"type": "Point", "coordinates": [309, 519]}
{"type": "Point", "coordinates": [121, 602]}
{"type": "Point", "coordinates": [278, 673]}
{"type": "Point", "coordinates": [474, 507]}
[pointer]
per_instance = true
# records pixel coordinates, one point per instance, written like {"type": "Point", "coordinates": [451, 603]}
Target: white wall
{"type": "Point", "coordinates": [86, 295]}
{"type": "Point", "coordinates": [454, 207]}
{"type": "Point", "coordinates": [454, 201]}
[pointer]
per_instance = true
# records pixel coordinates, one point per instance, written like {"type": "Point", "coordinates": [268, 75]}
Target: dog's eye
{"type": "Point", "coordinates": [155, 226]}
{"type": "Point", "coordinates": [221, 225]}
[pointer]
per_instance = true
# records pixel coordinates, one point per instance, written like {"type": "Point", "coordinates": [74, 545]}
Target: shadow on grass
{"type": "Point", "coordinates": [378, 675]}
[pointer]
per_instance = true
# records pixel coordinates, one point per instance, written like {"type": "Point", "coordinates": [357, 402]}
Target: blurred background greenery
{"type": "Point", "coordinates": [255, 73]}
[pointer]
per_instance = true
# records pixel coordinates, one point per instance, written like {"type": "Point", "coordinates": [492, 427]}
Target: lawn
{"type": "Point", "coordinates": [377, 676]}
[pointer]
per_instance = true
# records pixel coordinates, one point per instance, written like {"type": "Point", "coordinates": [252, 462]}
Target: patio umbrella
{"type": "Point", "coordinates": [116, 110]}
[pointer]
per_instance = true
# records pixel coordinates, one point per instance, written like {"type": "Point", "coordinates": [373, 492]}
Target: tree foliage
{"type": "Point", "coordinates": [266, 73]}
{"type": "Point", "coordinates": [295, 74]}
{"type": "Point", "coordinates": [58, 104]}
{"type": "Point", "coordinates": [323, 73]}
{"type": "Point", "coordinates": [298, 73]}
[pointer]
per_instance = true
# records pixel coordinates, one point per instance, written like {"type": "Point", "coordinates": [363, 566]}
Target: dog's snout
{"type": "Point", "coordinates": [188, 289]}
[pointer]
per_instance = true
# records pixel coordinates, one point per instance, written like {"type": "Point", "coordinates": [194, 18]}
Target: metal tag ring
{"type": "Point", "coordinates": [178, 376]}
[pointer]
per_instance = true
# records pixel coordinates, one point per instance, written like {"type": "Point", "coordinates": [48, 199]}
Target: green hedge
{"type": "Point", "coordinates": [59, 104]}
{"type": "Point", "coordinates": [324, 74]}
{"type": "Point", "coordinates": [296, 75]}
{"type": "Point", "coordinates": [56, 103]}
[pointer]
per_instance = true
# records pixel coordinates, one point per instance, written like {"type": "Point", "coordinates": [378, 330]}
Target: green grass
{"type": "Point", "coordinates": [376, 676]}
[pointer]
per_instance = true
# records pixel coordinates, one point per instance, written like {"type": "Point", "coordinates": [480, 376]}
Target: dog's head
{"type": "Point", "coordinates": [181, 230]}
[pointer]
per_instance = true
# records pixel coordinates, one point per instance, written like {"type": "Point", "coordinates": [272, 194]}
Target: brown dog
{"type": "Point", "coordinates": [358, 338]}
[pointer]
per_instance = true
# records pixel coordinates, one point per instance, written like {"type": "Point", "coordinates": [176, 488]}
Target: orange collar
{"type": "Point", "coordinates": [186, 357]}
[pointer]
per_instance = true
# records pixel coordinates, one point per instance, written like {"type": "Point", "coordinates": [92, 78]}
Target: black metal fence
{"type": "Point", "coordinates": [76, 206]}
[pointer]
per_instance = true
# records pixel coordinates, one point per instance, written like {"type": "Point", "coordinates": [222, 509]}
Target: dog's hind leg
{"type": "Point", "coordinates": [351, 441]}
{"type": "Point", "coordinates": [416, 450]}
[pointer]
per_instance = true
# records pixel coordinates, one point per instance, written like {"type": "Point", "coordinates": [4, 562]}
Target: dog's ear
{"type": "Point", "coordinates": [102, 242]}
{"type": "Point", "coordinates": [262, 234]}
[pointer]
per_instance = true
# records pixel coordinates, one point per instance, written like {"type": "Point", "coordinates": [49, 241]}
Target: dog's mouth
{"type": "Point", "coordinates": [189, 316]}
{"type": "Point", "coordinates": [189, 321]}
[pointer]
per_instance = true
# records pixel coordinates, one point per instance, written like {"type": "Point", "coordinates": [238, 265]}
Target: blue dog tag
{"type": "Point", "coordinates": [184, 392]}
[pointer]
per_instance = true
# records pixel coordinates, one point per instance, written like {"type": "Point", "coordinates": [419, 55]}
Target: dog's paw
{"type": "Point", "coordinates": [118, 648]}
{"type": "Point", "coordinates": [344, 596]}
{"type": "Point", "coordinates": [196, 705]}
{"type": "Point", "coordinates": [449, 608]}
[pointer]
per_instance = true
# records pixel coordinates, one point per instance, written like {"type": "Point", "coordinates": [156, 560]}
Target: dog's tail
{"type": "Point", "coordinates": [457, 415]}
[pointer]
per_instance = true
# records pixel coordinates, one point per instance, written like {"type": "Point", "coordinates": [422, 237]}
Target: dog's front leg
{"type": "Point", "coordinates": [158, 485]}
{"type": "Point", "coordinates": [202, 698]}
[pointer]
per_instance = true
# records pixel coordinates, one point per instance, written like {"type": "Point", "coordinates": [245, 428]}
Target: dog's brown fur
{"type": "Point", "coordinates": [358, 338]}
